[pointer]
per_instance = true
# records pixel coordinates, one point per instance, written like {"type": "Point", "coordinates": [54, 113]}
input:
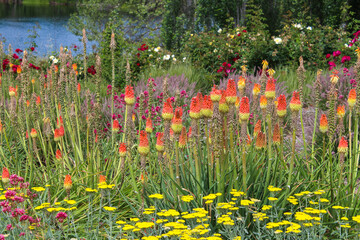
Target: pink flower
{"type": "Point", "coordinates": [9, 227]}
{"type": "Point", "coordinates": [345, 58]}
{"type": "Point", "coordinates": [61, 216]}
{"type": "Point", "coordinates": [336, 53]}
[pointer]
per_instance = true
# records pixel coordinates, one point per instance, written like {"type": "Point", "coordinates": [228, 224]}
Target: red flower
{"type": "Point", "coordinates": [58, 154]}
{"type": "Point", "coordinates": [129, 95]}
{"type": "Point", "coordinates": [143, 147]}
{"type": "Point", "coordinates": [122, 149]}
{"type": "Point", "coordinates": [18, 50]}
{"type": "Point", "coordinates": [231, 91]}
{"type": "Point", "coordinates": [67, 182]}
{"type": "Point", "coordinates": [149, 127]}
{"type": "Point", "coordinates": [176, 124]}
{"type": "Point", "coordinates": [182, 138]}
{"type": "Point", "coordinates": [15, 56]}
{"type": "Point", "coordinates": [328, 55]}
{"type": "Point", "coordinates": [91, 70]}
{"type": "Point", "coordinates": [167, 112]}
{"type": "Point", "coordinates": [343, 145]}
{"type": "Point", "coordinates": [32, 49]}
{"type": "Point", "coordinates": [345, 59]}
{"type": "Point", "coordinates": [159, 142]}
{"type": "Point", "coordinates": [281, 106]}
{"type": "Point", "coordinates": [207, 107]}
{"type": "Point", "coordinates": [244, 112]}
{"type": "Point", "coordinates": [116, 126]}
{"type": "Point", "coordinates": [5, 177]}
{"type": "Point", "coordinates": [195, 108]}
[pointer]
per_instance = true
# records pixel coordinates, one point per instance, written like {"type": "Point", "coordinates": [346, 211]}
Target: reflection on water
{"type": "Point", "coordinates": [17, 20]}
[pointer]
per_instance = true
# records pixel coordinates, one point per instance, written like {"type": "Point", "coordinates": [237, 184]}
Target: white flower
{"type": "Point", "coordinates": [166, 57]}
{"type": "Point", "coordinates": [174, 59]}
{"type": "Point", "coordinates": [277, 40]}
{"type": "Point", "coordinates": [220, 30]}
{"type": "Point", "coordinates": [55, 60]}
{"type": "Point", "coordinates": [346, 45]}
{"type": "Point", "coordinates": [173, 56]}
{"type": "Point", "coordinates": [51, 57]}
{"type": "Point", "coordinates": [309, 28]}
{"type": "Point", "coordinates": [184, 59]}
{"type": "Point", "coordinates": [157, 49]}
{"type": "Point", "coordinates": [150, 55]}
{"type": "Point", "coordinates": [215, 50]}
{"type": "Point", "coordinates": [298, 25]}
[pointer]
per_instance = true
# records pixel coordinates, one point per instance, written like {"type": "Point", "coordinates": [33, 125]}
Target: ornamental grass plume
{"type": "Point", "coordinates": [149, 126]}
{"type": "Point", "coordinates": [143, 147]}
{"type": "Point", "coordinates": [230, 92]}
{"type": "Point", "coordinates": [295, 103]}
{"type": "Point", "coordinates": [207, 108]}
{"type": "Point", "coordinates": [215, 94]}
{"type": "Point", "coordinates": [115, 126]}
{"type": "Point", "coordinates": [281, 106]}
{"type": "Point", "coordinates": [276, 134]}
{"type": "Point", "coordinates": [270, 89]}
{"type": "Point", "coordinates": [5, 177]}
{"type": "Point", "coordinates": [195, 108]}
{"type": "Point", "coordinates": [176, 123]}
{"type": "Point", "coordinates": [129, 95]}
{"type": "Point", "coordinates": [223, 106]}
{"type": "Point", "coordinates": [301, 77]}
{"type": "Point", "coordinates": [183, 138]}
{"type": "Point", "coordinates": [244, 111]}
{"type": "Point", "coordinates": [122, 150]}
{"type": "Point", "coordinates": [260, 141]}
{"type": "Point", "coordinates": [324, 126]}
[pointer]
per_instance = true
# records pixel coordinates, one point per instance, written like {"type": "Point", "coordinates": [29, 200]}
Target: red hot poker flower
{"type": "Point", "coordinates": [223, 106]}
{"type": "Point", "coordinates": [58, 155]}
{"type": "Point", "coordinates": [129, 95]}
{"type": "Point", "coordinates": [215, 94]}
{"type": "Point", "coordinates": [281, 106]}
{"type": "Point", "coordinates": [195, 108]}
{"type": "Point", "coordinates": [263, 102]}
{"type": "Point", "coordinates": [102, 179]}
{"type": "Point", "coordinates": [276, 134]}
{"type": "Point", "coordinates": [231, 92]}
{"type": "Point", "coordinates": [257, 128]}
{"type": "Point", "coordinates": [122, 149]}
{"type": "Point", "coordinates": [5, 177]}
{"type": "Point", "coordinates": [244, 112]}
{"type": "Point", "coordinates": [324, 126]}
{"type": "Point", "coordinates": [115, 126]}
{"type": "Point", "coordinates": [343, 145]}
{"type": "Point", "coordinates": [341, 111]}
{"type": "Point", "coordinates": [270, 89]}
{"type": "Point", "coordinates": [143, 147]}
{"type": "Point", "coordinates": [256, 89]}
{"type": "Point", "coordinates": [182, 138]}
{"type": "Point", "coordinates": [241, 83]}
{"type": "Point", "coordinates": [167, 112]}
{"type": "Point", "coordinates": [33, 133]}
{"type": "Point", "coordinates": [176, 124]}
{"type": "Point", "coordinates": [67, 182]}
{"type": "Point", "coordinates": [352, 98]}
{"type": "Point", "coordinates": [295, 103]}
{"type": "Point", "coordinates": [159, 142]}
{"type": "Point", "coordinates": [149, 127]}
{"type": "Point", "coordinates": [207, 107]}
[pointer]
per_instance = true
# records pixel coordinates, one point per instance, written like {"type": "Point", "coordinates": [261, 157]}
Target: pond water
{"type": "Point", "coordinates": [16, 21]}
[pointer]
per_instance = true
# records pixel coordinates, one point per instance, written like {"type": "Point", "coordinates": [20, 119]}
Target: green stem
{"type": "Point", "coordinates": [303, 133]}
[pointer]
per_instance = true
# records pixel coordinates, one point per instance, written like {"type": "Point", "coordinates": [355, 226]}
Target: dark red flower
{"type": "Point", "coordinates": [18, 50]}
{"type": "Point", "coordinates": [15, 56]}
{"type": "Point", "coordinates": [91, 70]}
{"type": "Point", "coordinates": [328, 55]}
{"type": "Point", "coordinates": [345, 58]}
{"type": "Point", "coordinates": [32, 49]}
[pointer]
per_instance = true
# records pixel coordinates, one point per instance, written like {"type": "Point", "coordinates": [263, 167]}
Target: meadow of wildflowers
{"type": "Point", "coordinates": [158, 161]}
